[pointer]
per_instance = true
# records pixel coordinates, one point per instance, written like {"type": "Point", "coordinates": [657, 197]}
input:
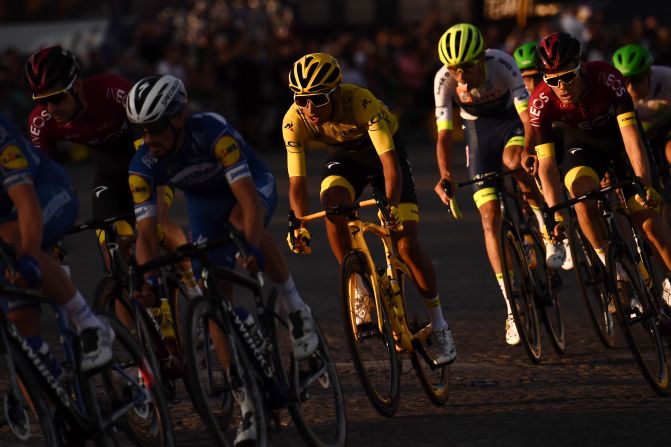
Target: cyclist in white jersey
{"type": "Point", "coordinates": [493, 103]}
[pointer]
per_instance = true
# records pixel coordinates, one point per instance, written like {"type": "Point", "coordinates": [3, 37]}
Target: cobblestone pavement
{"type": "Point", "coordinates": [589, 396]}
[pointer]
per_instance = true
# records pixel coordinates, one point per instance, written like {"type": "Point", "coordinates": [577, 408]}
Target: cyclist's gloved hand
{"type": "Point", "coordinates": [395, 221]}
{"type": "Point", "coordinates": [255, 261]}
{"type": "Point", "coordinates": [301, 241]}
{"type": "Point", "coordinates": [29, 270]}
{"type": "Point", "coordinates": [652, 198]}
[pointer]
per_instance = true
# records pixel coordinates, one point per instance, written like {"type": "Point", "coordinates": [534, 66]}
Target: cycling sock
{"type": "Point", "coordinates": [539, 217]}
{"type": "Point", "coordinates": [81, 314]}
{"type": "Point", "coordinates": [289, 295]}
{"type": "Point", "coordinates": [499, 279]}
{"type": "Point", "coordinates": [435, 313]}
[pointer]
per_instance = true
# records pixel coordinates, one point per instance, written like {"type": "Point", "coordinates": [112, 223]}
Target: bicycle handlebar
{"type": "Point", "coordinates": [99, 224]}
{"type": "Point", "coordinates": [489, 176]}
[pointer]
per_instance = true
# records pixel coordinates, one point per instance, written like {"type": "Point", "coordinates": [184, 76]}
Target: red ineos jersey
{"type": "Point", "coordinates": [605, 98]}
{"type": "Point", "coordinates": [103, 126]}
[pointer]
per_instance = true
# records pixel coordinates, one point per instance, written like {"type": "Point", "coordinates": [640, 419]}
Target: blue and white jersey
{"type": "Point", "coordinates": [19, 162]}
{"type": "Point", "coordinates": [212, 157]}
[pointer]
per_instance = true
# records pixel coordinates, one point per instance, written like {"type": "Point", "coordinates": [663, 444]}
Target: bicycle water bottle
{"type": "Point", "coordinates": [255, 340]}
{"type": "Point", "coordinates": [529, 250]}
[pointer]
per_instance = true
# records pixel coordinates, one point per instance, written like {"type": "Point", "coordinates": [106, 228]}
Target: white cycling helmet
{"type": "Point", "coordinates": [155, 98]}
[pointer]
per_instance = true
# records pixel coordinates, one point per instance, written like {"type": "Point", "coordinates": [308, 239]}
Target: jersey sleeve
{"type": "Point", "coordinates": [14, 166]}
{"type": "Point", "coordinates": [369, 111]}
{"type": "Point", "coordinates": [228, 152]}
{"type": "Point", "coordinates": [443, 98]}
{"type": "Point", "coordinates": [296, 136]}
{"type": "Point", "coordinates": [518, 90]}
{"type": "Point", "coordinates": [41, 134]}
{"type": "Point", "coordinates": [142, 184]}
{"type": "Point", "coordinates": [540, 116]}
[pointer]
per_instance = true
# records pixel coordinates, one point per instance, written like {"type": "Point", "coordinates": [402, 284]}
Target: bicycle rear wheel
{"type": "Point", "coordinates": [435, 380]}
{"type": "Point", "coordinates": [370, 339]}
{"type": "Point", "coordinates": [593, 284]}
{"type": "Point", "coordinates": [520, 290]}
{"type": "Point", "coordinates": [547, 283]}
{"type": "Point", "coordinates": [637, 318]}
{"type": "Point", "coordinates": [316, 401]}
{"type": "Point", "coordinates": [129, 393]}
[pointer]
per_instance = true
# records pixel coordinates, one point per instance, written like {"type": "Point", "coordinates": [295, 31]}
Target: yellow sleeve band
{"type": "Point", "coordinates": [517, 140]}
{"type": "Point", "coordinates": [545, 150]}
{"type": "Point", "coordinates": [444, 125]}
{"type": "Point", "coordinates": [485, 195]}
{"type": "Point", "coordinates": [626, 119]}
{"type": "Point", "coordinates": [296, 164]}
{"type": "Point", "coordinates": [522, 106]}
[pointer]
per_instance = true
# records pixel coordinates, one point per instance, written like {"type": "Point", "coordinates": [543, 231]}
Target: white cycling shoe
{"type": "Point", "coordinates": [512, 337]}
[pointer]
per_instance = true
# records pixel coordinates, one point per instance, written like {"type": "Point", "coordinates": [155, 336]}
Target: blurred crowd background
{"type": "Point", "coordinates": [234, 55]}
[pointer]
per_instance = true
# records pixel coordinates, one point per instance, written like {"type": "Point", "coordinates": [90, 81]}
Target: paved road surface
{"type": "Point", "coordinates": [590, 396]}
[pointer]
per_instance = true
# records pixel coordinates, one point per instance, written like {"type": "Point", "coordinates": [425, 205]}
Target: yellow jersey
{"type": "Point", "coordinates": [359, 122]}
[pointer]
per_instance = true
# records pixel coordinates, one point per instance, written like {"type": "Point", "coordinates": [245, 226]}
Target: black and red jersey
{"type": "Point", "coordinates": [605, 98]}
{"type": "Point", "coordinates": [103, 126]}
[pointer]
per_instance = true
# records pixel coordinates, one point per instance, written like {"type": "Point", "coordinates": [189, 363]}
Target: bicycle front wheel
{"type": "Point", "coordinates": [592, 279]}
{"type": "Point", "coordinates": [129, 385]}
{"type": "Point", "coordinates": [637, 318]}
{"type": "Point", "coordinates": [520, 290]}
{"type": "Point", "coordinates": [316, 402]}
{"type": "Point", "coordinates": [369, 335]}
{"type": "Point", "coordinates": [547, 283]}
{"type": "Point", "coordinates": [435, 380]}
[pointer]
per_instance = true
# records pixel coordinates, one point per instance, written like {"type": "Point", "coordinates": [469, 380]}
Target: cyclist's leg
{"type": "Point", "coordinates": [650, 221]}
{"type": "Point", "coordinates": [304, 337]}
{"type": "Point", "coordinates": [343, 180]}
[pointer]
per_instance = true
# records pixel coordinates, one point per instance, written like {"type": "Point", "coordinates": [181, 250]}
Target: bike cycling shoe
{"type": "Point", "coordinates": [246, 435]}
{"type": "Point", "coordinates": [303, 336]}
{"type": "Point", "coordinates": [96, 345]}
{"type": "Point", "coordinates": [512, 337]}
{"type": "Point", "coordinates": [666, 291]}
{"type": "Point", "coordinates": [555, 254]}
{"type": "Point", "coordinates": [568, 261]}
{"type": "Point", "coordinates": [444, 351]}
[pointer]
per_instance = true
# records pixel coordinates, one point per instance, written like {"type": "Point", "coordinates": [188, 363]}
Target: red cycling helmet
{"type": "Point", "coordinates": [558, 52]}
{"type": "Point", "coordinates": [51, 68]}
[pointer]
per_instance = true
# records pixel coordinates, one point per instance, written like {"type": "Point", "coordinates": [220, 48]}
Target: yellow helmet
{"type": "Point", "coordinates": [461, 43]}
{"type": "Point", "coordinates": [315, 73]}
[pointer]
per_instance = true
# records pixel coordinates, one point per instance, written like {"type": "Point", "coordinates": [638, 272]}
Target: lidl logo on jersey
{"type": "Point", "coordinates": [227, 151]}
{"type": "Point", "coordinates": [139, 188]}
{"type": "Point", "coordinates": [12, 158]}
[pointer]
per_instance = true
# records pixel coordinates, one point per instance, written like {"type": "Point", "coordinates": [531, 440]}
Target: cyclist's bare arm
{"type": "Point", "coordinates": [247, 196]}
{"type": "Point", "coordinates": [444, 151]}
{"type": "Point", "coordinates": [637, 155]}
{"type": "Point", "coordinates": [392, 176]}
{"type": "Point", "coordinates": [299, 199]}
{"type": "Point", "coordinates": [29, 217]}
{"type": "Point", "coordinates": [146, 246]}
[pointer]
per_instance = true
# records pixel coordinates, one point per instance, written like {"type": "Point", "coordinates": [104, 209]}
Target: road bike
{"type": "Point", "coordinates": [121, 400]}
{"type": "Point", "coordinates": [633, 292]}
{"type": "Point", "coordinates": [390, 326]}
{"type": "Point", "coordinates": [260, 356]}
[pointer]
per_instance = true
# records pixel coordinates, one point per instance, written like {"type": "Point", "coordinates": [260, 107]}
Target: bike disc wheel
{"type": "Point", "coordinates": [547, 282]}
{"type": "Point", "coordinates": [520, 290]}
{"type": "Point", "coordinates": [637, 319]}
{"type": "Point", "coordinates": [130, 383]}
{"type": "Point", "coordinates": [435, 380]}
{"type": "Point", "coordinates": [591, 277]}
{"type": "Point", "coordinates": [316, 401]}
{"type": "Point", "coordinates": [371, 342]}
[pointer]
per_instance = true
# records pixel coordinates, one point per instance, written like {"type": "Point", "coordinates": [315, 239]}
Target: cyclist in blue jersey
{"type": "Point", "coordinates": [223, 181]}
{"type": "Point", "coordinates": [37, 207]}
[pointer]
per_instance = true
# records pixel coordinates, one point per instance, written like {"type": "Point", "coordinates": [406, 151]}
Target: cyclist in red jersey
{"type": "Point", "coordinates": [600, 129]}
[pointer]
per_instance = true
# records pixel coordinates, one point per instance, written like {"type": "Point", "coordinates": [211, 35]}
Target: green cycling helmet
{"type": "Point", "coordinates": [461, 43]}
{"type": "Point", "coordinates": [524, 56]}
{"type": "Point", "coordinates": [632, 59]}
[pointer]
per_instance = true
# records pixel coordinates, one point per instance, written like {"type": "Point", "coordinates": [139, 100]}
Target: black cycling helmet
{"type": "Point", "coordinates": [558, 52]}
{"type": "Point", "coordinates": [50, 69]}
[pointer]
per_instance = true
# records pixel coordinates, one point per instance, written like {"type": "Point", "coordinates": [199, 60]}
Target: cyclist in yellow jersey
{"type": "Point", "coordinates": [363, 138]}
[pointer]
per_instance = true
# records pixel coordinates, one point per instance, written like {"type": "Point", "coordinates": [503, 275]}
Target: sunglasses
{"type": "Point", "coordinates": [317, 100]}
{"type": "Point", "coordinates": [54, 97]}
{"type": "Point", "coordinates": [566, 78]}
{"type": "Point", "coordinates": [468, 66]}
{"type": "Point", "coordinates": [155, 128]}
